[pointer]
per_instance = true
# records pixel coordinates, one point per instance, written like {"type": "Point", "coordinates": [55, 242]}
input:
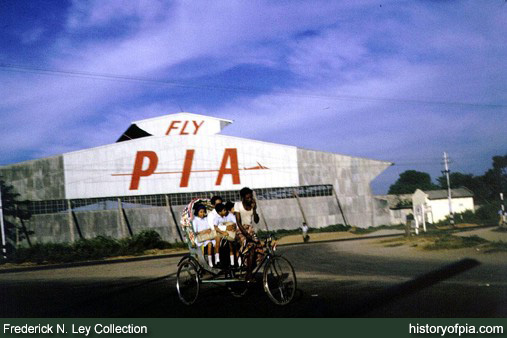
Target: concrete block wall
{"type": "Point", "coordinates": [382, 212]}
{"type": "Point", "coordinates": [50, 228]}
{"type": "Point", "coordinates": [56, 227]}
{"type": "Point", "coordinates": [350, 177]}
{"type": "Point", "coordinates": [37, 180]}
{"type": "Point", "coordinates": [156, 218]}
{"type": "Point", "coordinates": [279, 214]}
{"type": "Point", "coordinates": [286, 214]}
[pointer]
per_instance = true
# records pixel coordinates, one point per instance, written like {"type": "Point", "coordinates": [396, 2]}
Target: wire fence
{"type": "Point", "coordinates": [149, 201]}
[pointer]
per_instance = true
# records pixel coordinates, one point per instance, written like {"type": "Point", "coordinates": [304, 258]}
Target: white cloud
{"type": "Point", "coordinates": [336, 55]}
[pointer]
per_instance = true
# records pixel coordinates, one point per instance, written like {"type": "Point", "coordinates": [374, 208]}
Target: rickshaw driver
{"type": "Point", "coordinates": [246, 212]}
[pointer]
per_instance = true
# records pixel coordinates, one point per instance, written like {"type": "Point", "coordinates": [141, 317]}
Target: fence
{"type": "Point", "coordinates": [122, 216]}
{"type": "Point", "coordinates": [146, 201]}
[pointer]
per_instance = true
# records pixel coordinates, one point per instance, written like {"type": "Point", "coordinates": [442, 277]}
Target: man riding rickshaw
{"type": "Point", "coordinates": [251, 254]}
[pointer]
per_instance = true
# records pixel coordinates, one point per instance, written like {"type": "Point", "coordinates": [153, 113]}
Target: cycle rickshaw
{"type": "Point", "coordinates": [278, 276]}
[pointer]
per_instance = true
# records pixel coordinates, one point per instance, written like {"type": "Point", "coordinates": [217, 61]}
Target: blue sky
{"type": "Point", "coordinates": [400, 81]}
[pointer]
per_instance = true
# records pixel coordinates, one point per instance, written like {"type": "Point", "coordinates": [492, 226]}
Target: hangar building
{"type": "Point", "coordinates": [154, 169]}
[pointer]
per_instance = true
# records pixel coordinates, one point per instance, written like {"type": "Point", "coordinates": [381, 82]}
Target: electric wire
{"type": "Point", "coordinates": [117, 77]}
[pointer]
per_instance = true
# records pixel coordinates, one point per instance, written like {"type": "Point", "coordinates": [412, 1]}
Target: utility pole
{"type": "Point", "coordinates": [449, 197]}
{"type": "Point", "coordinates": [503, 219]}
{"type": "Point", "coordinates": [2, 225]}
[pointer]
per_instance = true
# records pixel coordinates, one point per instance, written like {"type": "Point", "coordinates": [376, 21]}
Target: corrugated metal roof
{"type": "Point", "coordinates": [442, 194]}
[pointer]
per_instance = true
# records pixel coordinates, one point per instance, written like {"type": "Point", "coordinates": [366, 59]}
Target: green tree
{"type": "Point", "coordinates": [486, 188]}
{"type": "Point", "coordinates": [457, 180]}
{"type": "Point", "coordinates": [14, 209]}
{"type": "Point", "coordinates": [474, 183]}
{"type": "Point", "coordinates": [411, 180]}
{"type": "Point", "coordinates": [496, 178]}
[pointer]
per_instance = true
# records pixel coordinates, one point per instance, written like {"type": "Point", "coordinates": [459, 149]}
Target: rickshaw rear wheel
{"type": "Point", "coordinates": [279, 280]}
{"type": "Point", "coordinates": [188, 282]}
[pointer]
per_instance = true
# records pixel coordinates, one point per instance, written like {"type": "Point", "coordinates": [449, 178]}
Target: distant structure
{"type": "Point", "coordinates": [395, 208]}
{"type": "Point", "coordinates": [433, 206]}
{"type": "Point", "coordinates": [157, 165]}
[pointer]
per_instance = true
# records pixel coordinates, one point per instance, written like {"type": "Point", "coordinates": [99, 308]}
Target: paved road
{"type": "Point", "coordinates": [342, 279]}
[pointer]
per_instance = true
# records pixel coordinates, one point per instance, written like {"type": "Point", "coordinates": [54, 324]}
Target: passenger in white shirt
{"type": "Point", "coordinates": [212, 216]}
{"type": "Point", "coordinates": [225, 224]}
{"type": "Point", "coordinates": [203, 230]}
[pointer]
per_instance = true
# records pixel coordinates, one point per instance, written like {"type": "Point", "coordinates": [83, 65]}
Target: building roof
{"type": "Point", "coordinates": [183, 114]}
{"type": "Point", "coordinates": [179, 123]}
{"type": "Point", "coordinates": [402, 201]}
{"type": "Point", "coordinates": [455, 193]}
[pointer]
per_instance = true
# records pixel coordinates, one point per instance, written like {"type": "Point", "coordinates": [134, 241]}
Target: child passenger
{"type": "Point", "coordinates": [225, 225]}
{"type": "Point", "coordinates": [212, 215]}
{"type": "Point", "coordinates": [204, 233]}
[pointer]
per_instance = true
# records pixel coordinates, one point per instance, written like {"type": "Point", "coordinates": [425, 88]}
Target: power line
{"type": "Point", "coordinates": [127, 78]}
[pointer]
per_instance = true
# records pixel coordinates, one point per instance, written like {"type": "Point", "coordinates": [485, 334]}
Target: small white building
{"type": "Point", "coordinates": [433, 206]}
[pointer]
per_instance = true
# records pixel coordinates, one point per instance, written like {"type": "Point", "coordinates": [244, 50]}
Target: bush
{"type": "Point", "coordinates": [488, 214]}
{"type": "Point", "coordinates": [95, 248]}
{"type": "Point", "coordinates": [331, 228]}
{"type": "Point", "coordinates": [48, 252]}
{"type": "Point", "coordinates": [145, 240]}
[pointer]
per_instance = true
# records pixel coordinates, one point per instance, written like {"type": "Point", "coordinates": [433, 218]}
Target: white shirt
{"type": "Point", "coordinates": [231, 218]}
{"type": "Point", "coordinates": [212, 216]}
{"type": "Point", "coordinates": [221, 220]}
{"type": "Point", "coordinates": [246, 215]}
{"type": "Point", "coordinates": [200, 224]}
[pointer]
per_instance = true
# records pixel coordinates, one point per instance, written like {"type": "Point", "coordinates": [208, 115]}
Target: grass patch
{"type": "Point", "coordinates": [394, 245]}
{"type": "Point", "coordinates": [496, 247]}
{"type": "Point", "coordinates": [90, 249]}
{"type": "Point", "coordinates": [444, 241]}
{"type": "Point", "coordinates": [455, 242]}
{"type": "Point", "coordinates": [363, 231]}
{"type": "Point", "coordinates": [330, 228]}
{"type": "Point", "coordinates": [287, 232]}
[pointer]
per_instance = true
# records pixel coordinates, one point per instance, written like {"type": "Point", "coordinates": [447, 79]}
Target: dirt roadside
{"type": "Point", "coordinates": [369, 245]}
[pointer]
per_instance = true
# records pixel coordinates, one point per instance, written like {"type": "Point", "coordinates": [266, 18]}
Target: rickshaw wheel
{"type": "Point", "coordinates": [279, 280]}
{"type": "Point", "coordinates": [188, 282]}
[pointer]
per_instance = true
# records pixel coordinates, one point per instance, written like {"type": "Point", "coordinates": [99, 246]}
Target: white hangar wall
{"type": "Point", "coordinates": [178, 164]}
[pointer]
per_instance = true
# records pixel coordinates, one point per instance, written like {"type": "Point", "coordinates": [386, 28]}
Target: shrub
{"type": "Point", "coordinates": [95, 248]}
{"type": "Point", "coordinates": [48, 252]}
{"type": "Point", "coordinates": [488, 214]}
{"type": "Point", "coordinates": [145, 240]}
{"type": "Point", "coordinates": [331, 228]}
{"type": "Point", "coordinates": [98, 247]}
